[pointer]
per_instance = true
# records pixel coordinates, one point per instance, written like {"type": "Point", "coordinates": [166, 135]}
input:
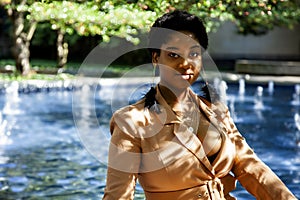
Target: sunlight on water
{"type": "Point", "coordinates": [43, 157]}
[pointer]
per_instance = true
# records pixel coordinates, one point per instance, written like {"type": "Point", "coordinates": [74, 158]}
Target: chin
{"type": "Point", "coordinates": [177, 83]}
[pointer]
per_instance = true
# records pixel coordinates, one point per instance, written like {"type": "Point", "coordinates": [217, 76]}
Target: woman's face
{"type": "Point", "coordinates": [179, 60]}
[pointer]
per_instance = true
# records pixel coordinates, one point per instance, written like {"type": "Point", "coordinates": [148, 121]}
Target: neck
{"type": "Point", "coordinates": [173, 96]}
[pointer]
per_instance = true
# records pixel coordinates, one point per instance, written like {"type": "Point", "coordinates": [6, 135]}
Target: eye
{"type": "Point", "coordinates": [194, 54]}
{"type": "Point", "coordinates": [174, 55]}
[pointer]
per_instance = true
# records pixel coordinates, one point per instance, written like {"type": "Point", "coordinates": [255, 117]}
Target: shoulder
{"type": "Point", "coordinates": [217, 107]}
{"type": "Point", "coordinates": [130, 116]}
{"type": "Point", "coordinates": [205, 101]}
{"type": "Point", "coordinates": [133, 120]}
{"type": "Point", "coordinates": [131, 110]}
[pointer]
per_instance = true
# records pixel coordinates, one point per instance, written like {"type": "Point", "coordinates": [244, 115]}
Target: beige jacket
{"type": "Point", "coordinates": [169, 161]}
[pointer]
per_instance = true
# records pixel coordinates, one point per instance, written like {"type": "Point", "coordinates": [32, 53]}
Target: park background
{"type": "Point", "coordinates": [64, 32]}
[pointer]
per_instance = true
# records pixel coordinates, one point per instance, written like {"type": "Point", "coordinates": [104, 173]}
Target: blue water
{"type": "Point", "coordinates": [42, 156]}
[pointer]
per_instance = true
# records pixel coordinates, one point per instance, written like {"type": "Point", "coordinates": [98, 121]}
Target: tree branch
{"type": "Point", "coordinates": [31, 30]}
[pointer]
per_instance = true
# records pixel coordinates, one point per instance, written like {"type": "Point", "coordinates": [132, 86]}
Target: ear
{"type": "Point", "coordinates": [155, 57]}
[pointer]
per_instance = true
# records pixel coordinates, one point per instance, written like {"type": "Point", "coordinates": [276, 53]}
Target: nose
{"type": "Point", "coordinates": [185, 63]}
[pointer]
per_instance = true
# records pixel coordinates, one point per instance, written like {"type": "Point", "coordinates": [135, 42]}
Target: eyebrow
{"type": "Point", "coordinates": [172, 48]}
{"type": "Point", "coordinates": [196, 46]}
{"type": "Point", "coordinates": [176, 48]}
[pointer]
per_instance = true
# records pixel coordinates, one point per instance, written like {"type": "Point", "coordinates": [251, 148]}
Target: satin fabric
{"type": "Point", "coordinates": [155, 148]}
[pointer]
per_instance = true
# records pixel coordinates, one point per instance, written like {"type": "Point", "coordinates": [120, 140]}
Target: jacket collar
{"type": "Point", "coordinates": [181, 131]}
{"type": "Point", "coordinates": [206, 107]}
{"type": "Point", "coordinates": [165, 109]}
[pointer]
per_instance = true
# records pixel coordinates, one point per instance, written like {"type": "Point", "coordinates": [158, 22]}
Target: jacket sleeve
{"type": "Point", "coordinates": [123, 162]}
{"type": "Point", "coordinates": [253, 174]}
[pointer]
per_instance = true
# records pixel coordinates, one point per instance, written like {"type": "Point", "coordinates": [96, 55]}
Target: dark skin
{"type": "Point", "coordinates": [180, 63]}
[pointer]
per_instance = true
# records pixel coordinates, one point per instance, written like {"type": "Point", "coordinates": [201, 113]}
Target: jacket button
{"type": "Point", "coordinates": [202, 195]}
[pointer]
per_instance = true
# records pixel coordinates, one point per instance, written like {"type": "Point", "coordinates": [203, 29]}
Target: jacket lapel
{"type": "Point", "coordinates": [192, 143]}
{"type": "Point", "coordinates": [188, 139]}
{"type": "Point", "coordinates": [216, 115]}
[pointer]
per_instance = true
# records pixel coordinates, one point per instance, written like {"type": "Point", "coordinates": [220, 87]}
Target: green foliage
{"type": "Point", "coordinates": [260, 16]}
{"type": "Point", "coordinates": [47, 77]}
{"type": "Point", "coordinates": [125, 18]}
{"type": "Point", "coordinates": [38, 65]}
{"type": "Point", "coordinates": [250, 16]}
{"type": "Point", "coordinates": [43, 35]}
{"type": "Point", "coordinates": [88, 18]}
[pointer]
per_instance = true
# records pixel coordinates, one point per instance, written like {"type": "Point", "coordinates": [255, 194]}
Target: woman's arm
{"type": "Point", "coordinates": [254, 175]}
{"type": "Point", "coordinates": [123, 163]}
{"type": "Point", "coordinates": [119, 185]}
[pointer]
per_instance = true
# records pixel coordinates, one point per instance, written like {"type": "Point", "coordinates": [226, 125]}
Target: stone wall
{"type": "Point", "coordinates": [278, 44]}
{"type": "Point", "coordinates": [266, 67]}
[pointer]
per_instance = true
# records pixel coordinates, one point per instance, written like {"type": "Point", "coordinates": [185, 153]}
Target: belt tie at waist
{"type": "Point", "coordinates": [215, 188]}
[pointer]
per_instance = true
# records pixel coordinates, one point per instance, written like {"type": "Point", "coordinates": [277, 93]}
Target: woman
{"type": "Point", "coordinates": [177, 144]}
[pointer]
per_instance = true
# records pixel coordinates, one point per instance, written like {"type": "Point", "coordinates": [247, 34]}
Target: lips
{"type": "Point", "coordinates": [186, 76]}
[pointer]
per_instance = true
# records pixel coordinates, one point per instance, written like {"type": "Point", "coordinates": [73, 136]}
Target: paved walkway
{"type": "Point", "coordinates": [226, 76]}
{"type": "Point", "coordinates": [282, 80]}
